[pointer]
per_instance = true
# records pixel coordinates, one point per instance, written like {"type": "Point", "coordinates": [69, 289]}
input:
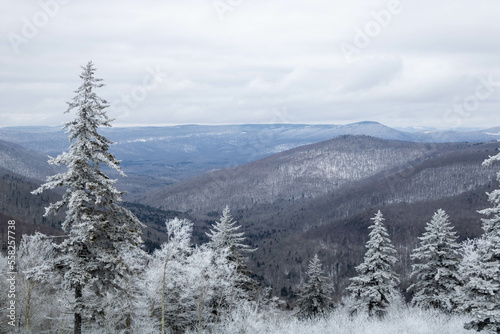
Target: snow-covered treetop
{"type": "Point", "coordinates": [91, 115]}
{"type": "Point", "coordinates": [379, 238]}
{"type": "Point", "coordinates": [439, 231]}
{"type": "Point", "coordinates": [225, 233]}
{"type": "Point", "coordinates": [315, 263]}
{"type": "Point", "coordinates": [314, 271]}
{"type": "Point", "coordinates": [179, 233]}
{"type": "Point", "coordinates": [91, 197]}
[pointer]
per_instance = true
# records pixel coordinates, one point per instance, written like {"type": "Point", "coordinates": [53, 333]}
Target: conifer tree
{"type": "Point", "coordinates": [375, 286]}
{"type": "Point", "coordinates": [100, 231]}
{"type": "Point", "coordinates": [468, 265]}
{"type": "Point", "coordinates": [436, 272]}
{"type": "Point", "coordinates": [314, 300]}
{"type": "Point", "coordinates": [482, 288]}
{"type": "Point", "coordinates": [225, 235]}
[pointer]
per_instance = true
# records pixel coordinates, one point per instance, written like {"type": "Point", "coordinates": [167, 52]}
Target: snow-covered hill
{"type": "Point", "coordinates": [28, 163]}
{"type": "Point", "coordinates": [327, 167]}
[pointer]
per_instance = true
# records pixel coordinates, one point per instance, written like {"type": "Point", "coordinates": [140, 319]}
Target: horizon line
{"type": "Point", "coordinates": [151, 125]}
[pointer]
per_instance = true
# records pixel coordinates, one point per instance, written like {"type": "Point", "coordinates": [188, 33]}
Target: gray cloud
{"type": "Point", "coordinates": [267, 61]}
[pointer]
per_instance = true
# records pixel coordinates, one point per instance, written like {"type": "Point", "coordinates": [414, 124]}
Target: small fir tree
{"type": "Point", "coordinates": [100, 231]}
{"type": "Point", "coordinates": [225, 236]}
{"type": "Point", "coordinates": [314, 300]}
{"type": "Point", "coordinates": [436, 272]}
{"type": "Point", "coordinates": [375, 286]}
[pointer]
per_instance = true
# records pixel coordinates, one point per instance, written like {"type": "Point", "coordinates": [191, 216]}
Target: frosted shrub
{"type": "Point", "coordinates": [398, 320]}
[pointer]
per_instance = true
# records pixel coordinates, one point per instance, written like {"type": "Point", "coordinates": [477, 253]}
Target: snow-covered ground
{"type": "Point", "coordinates": [400, 320]}
{"type": "Point", "coordinates": [405, 320]}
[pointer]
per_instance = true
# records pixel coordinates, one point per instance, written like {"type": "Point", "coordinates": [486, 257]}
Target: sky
{"type": "Point", "coordinates": [404, 63]}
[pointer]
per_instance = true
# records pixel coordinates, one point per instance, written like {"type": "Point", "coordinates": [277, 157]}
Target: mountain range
{"type": "Point", "coordinates": [157, 156]}
{"type": "Point", "coordinates": [296, 190]}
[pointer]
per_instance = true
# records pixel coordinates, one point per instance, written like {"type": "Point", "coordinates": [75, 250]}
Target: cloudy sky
{"type": "Point", "coordinates": [402, 63]}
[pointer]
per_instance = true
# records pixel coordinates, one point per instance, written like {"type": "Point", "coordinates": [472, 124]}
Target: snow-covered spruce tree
{"type": "Point", "coordinates": [466, 268]}
{"type": "Point", "coordinates": [100, 231]}
{"type": "Point", "coordinates": [225, 235]}
{"type": "Point", "coordinates": [436, 270]}
{"type": "Point", "coordinates": [482, 288]}
{"type": "Point", "coordinates": [375, 286]}
{"type": "Point", "coordinates": [314, 300]}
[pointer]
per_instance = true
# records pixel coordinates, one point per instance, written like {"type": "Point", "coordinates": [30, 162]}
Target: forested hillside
{"type": "Point", "coordinates": [330, 166]}
{"type": "Point", "coordinates": [17, 203]}
{"type": "Point", "coordinates": [28, 163]}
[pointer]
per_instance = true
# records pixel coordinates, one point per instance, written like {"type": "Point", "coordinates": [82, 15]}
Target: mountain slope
{"type": "Point", "coordinates": [303, 172]}
{"type": "Point", "coordinates": [17, 203]}
{"type": "Point", "coordinates": [28, 163]}
{"type": "Point", "coordinates": [27, 210]}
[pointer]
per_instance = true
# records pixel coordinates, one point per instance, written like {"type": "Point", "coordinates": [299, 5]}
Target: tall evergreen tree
{"type": "Point", "coordinates": [375, 286]}
{"type": "Point", "coordinates": [314, 300]}
{"type": "Point", "coordinates": [100, 231]}
{"type": "Point", "coordinates": [437, 269]}
{"type": "Point", "coordinates": [482, 288]}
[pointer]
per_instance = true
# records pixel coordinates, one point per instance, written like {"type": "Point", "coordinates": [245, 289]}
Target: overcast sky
{"type": "Point", "coordinates": [402, 63]}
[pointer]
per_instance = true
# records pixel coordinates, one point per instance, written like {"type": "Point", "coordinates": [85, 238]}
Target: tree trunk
{"type": "Point", "coordinates": [78, 315]}
{"type": "Point", "coordinates": [28, 306]}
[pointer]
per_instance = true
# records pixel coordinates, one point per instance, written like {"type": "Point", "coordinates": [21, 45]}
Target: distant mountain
{"type": "Point", "coordinates": [17, 203]}
{"type": "Point", "coordinates": [28, 163]}
{"type": "Point", "coordinates": [169, 154]}
{"type": "Point", "coordinates": [475, 136]}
